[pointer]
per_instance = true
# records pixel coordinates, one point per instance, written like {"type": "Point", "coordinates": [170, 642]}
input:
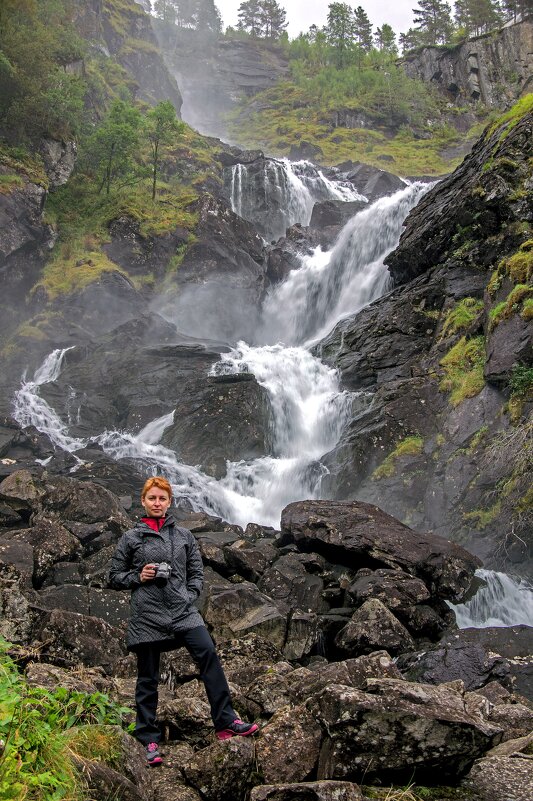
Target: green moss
{"type": "Point", "coordinates": [71, 270]}
{"type": "Point", "coordinates": [463, 369]}
{"type": "Point", "coordinates": [481, 518]}
{"type": "Point", "coordinates": [132, 46]}
{"type": "Point", "coordinates": [513, 116]}
{"type": "Point", "coordinates": [519, 266]}
{"type": "Point", "coordinates": [461, 316]}
{"type": "Point", "coordinates": [511, 305]}
{"type": "Point", "coordinates": [527, 309]}
{"type": "Point", "coordinates": [496, 280]}
{"type": "Point", "coordinates": [410, 446]}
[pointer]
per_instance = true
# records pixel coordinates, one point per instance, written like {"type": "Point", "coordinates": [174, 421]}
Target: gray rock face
{"type": "Point", "coordinates": [213, 76]}
{"type": "Point", "coordinates": [480, 69]}
{"type": "Point", "coordinates": [59, 160]}
{"type": "Point", "coordinates": [396, 727]}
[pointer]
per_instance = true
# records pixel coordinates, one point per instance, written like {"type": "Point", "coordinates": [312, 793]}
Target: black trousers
{"type": "Point", "coordinates": [202, 649]}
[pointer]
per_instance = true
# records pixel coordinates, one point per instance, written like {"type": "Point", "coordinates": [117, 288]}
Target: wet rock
{"type": "Point", "coordinates": [477, 656]}
{"type": "Point", "coordinates": [397, 727]}
{"type": "Point", "coordinates": [289, 745]}
{"type": "Point", "coordinates": [307, 791]}
{"type": "Point", "coordinates": [358, 533]}
{"type": "Point", "coordinates": [231, 422]}
{"type": "Point", "coordinates": [373, 628]}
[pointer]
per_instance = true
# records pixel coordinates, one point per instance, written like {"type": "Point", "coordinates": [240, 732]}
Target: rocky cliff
{"type": "Point", "coordinates": [121, 30]}
{"type": "Point", "coordinates": [213, 76]}
{"type": "Point", "coordinates": [494, 69]}
{"type": "Point", "coordinates": [441, 436]}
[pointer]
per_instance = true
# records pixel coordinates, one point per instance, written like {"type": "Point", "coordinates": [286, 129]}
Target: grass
{"type": "Point", "coordinates": [463, 369]}
{"type": "Point", "coordinates": [516, 302]}
{"type": "Point", "coordinates": [8, 183]}
{"type": "Point", "coordinates": [18, 161]}
{"type": "Point", "coordinates": [37, 730]}
{"type": "Point", "coordinates": [410, 446]}
{"type": "Point", "coordinates": [461, 316]}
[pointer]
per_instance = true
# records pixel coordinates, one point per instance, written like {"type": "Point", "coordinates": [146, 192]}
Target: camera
{"type": "Point", "coordinates": [162, 574]}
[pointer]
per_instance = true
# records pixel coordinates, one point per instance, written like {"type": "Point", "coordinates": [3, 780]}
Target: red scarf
{"type": "Point", "coordinates": [154, 522]}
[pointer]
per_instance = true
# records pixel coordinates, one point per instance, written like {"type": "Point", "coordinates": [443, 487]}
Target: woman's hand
{"type": "Point", "coordinates": [148, 573]}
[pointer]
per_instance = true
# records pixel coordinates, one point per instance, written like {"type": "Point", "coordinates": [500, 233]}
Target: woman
{"type": "Point", "coordinates": [161, 564]}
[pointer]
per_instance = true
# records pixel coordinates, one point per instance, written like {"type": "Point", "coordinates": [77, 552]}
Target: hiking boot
{"type": "Point", "coordinates": [153, 757]}
{"type": "Point", "coordinates": [237, 729]}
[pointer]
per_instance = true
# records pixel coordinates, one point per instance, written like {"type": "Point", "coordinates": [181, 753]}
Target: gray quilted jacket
{"type": "Point", "coordinates": [157, 613]}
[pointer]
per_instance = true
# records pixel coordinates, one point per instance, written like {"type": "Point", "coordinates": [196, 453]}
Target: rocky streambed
{"type": "Point", "coordinates": [334, 631]}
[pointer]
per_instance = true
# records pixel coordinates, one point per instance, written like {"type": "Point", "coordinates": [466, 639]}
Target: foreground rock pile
{"type": "Point", "coordinates": [319, 626]}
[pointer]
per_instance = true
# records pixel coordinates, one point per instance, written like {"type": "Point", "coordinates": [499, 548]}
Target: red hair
{"type": "Point", "coordinates": [159, 482]}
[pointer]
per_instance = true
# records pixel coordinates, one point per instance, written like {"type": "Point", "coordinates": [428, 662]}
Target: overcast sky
{"type": "Point", "coordinates": [303, 13]}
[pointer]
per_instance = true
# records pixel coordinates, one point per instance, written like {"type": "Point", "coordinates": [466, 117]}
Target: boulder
{"type": "Point", "coordinates": [499, 777]}
{"type": "Point", "coordinates": [250, 560]}
{"type": "Point", "coordinates": [240, 609]}
{"type": "Point", "coordinates": [292, 586]}
{"type": "Point", "coordinates": [396, 728]}
{"type": "Point", "coordinates": [307, 791]}
{"type": "Point", "coordinates": [359, 534]}
{"type": "Point", "coordinates": [373, 628]}
{"type": "Point", "coordinates": [289, 746]}
{"type": "Point", "coordinates": [22, 491]}
{"type": "Point", "coordinates": [73, 638]}
{"type": "Point", "coordinates": [87, 680]}
{"type": "Point", "coordinates": [51, 543]}
{"type": "Point", "coordinates": [223, 771]}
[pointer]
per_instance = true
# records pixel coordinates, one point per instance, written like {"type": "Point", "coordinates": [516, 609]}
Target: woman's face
{"type": "Point", "coordinates": [156, 502]}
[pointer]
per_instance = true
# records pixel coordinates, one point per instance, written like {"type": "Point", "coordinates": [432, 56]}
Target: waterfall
{"type": "Point", "coordinates": [330, 285]}
{"type": "Point", "coordinates": [29, 409]}
{"type": "Point", "coordinates": [283, 193]}
{"type": "Point", "coordinates": [501, 601]}
{"type": "Point", "coordinates": [309, 409]}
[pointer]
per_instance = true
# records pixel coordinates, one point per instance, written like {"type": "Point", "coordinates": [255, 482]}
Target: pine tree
{"type": "Point", "coordinates": [433, 21]}
{"type": "Point", "coordinates": [385, 40]}
{"type": "Point", "coordinates": [207, 17]}
{"type": "Point", "coordinates": [273, 19]}
{"type": "Point", "coordinates": [341, 31]}
{"type": "Point", "coordinates": [250, 17]}
{"type": "Point", "coordinates": [477, 16]}
{"type": "Point", "coordinates": [363, 29]}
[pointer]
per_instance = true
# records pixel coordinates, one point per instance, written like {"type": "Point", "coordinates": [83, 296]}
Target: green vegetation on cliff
{"type": "Point", "coordinates": [410, 446]}
{"type": "Point", "coordinates": [463, 369]}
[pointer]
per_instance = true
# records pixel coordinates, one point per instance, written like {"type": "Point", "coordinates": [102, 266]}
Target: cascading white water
{"type": "Point", "coordinates": [289, 188]}
{"type": "Point", "coordinates": [29, 409]}
{"type": "Point", "coordinates": [331, 284]}
{"type": "Point", "coordinates": [308, 408]}
{"type": "Point", "coordinates": [502, 601]}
